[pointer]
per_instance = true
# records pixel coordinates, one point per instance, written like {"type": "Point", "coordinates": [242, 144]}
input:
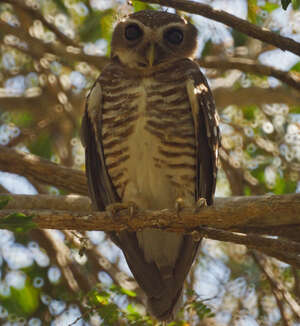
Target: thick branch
{"type": "Point", "coordinates": [239, 24]}
{"type": "Point", "coordinates": [42, 170]}
{"type": "Point", "coordinates": [233, 213]}
{"type": "Point", "coordinates": [216, 222]}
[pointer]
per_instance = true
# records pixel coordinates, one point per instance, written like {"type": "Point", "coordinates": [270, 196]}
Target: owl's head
{"type": "Point", "coordinates": [149, 38]}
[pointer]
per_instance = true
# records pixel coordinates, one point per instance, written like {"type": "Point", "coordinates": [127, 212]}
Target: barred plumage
{"type": "Point", "coordinates": [151, 136]}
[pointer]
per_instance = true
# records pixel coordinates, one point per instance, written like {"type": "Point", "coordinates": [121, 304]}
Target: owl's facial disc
{"type": "Point", "coordinates": [140, 43]}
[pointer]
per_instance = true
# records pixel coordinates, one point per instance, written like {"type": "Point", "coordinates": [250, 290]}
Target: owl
{"type": "Point", "coordinates": [151, 137]}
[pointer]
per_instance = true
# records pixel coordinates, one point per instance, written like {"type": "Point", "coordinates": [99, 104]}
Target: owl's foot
{"type": "Point", "coordinates": [179, 205]}
{"type": "Point", "coordinates": [115, 208]}
{"type": "Point", "coordinates": [200, 203]}
{"type": "Point", "coordinates": [196, 236]}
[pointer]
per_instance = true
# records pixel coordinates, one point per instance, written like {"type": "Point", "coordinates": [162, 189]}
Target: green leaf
{"type": "Point", "coordinates": [60, 4]}
{"type": "Point", "coordinates": [4, 201]}
{"type": "Point", "coordinates": [138, 5]}
{"type": "Point", "coordinates": [22, 119]}
{"type": "Point", "coordinates": [296, 4]}
{"type": "Point", "coordinates": [91, 30]}
{"type": "Point", "coordinates": [252, 11]}
{"type": "Point", "coordinates": [27, 298]}
{"type": "Point", "coordinates": [98, 24]}
{"type": "Point", "coordinates": [240, 39]}
{"type": "Point", "coordinates": [119, 290]}
{"type": "Point", "coordinates": [269, 7]}
{"type": "Point", "coordinates": [42, 146]}
{"type": "Point", "coordinates": [249, 111]}
{"type": "Point", "coordinates": [285, 3]}
{"type": "Point", "coordinates": [135, 318]}
{"type": "Point", "coordinates": [283, 186]}
{"type": "Point", "coordinates": [296, 67]}
{"type": "Point", "coordinates": [18, 222]}
{"type": "Point", "coordinates": [206, 49]}
{"type": "Point", "coordinates": [202, 310]}
{"type": "Point", "coordinates": [109, 313]}
{"type": "Point", "coordinates": [295, 109]}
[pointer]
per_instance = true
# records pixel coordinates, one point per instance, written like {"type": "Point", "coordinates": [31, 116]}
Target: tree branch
{"type": "Point", "coordinates": [38, 47]}
{"type": "Point", "coordinates": [277, 295]}
{"type": "Point", "coordinates": [232, 213]}
{"type": "Point", "coordinates": [276, 284]}
{"type": "Point", "coordinates": [42, 170]}
{"type": "Point", "coordinates": [238, 24]}
{"type": "Point", "coordinates": [36, 14]}
{"type": "Point", "coordinates": [254, 96]}
{"type": "Point", "coordinates": [216, 222]}
{"type": "Point", "coordinates": [247, 65]}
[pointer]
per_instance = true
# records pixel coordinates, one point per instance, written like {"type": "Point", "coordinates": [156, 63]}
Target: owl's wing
{"type": "Point", "coordinates": [207, 140]}
{"type": "Point", "coordinates": [103, 193]}
{"type": "Point", "coordinates": [207, 135]}
{"type": "Point", "coordinates": [100, 186]}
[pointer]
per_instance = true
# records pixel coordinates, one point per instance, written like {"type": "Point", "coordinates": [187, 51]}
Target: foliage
{"type": "Point", "coordinates": [17, 222]}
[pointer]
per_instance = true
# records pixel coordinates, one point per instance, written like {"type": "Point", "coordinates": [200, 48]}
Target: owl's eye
{"type": "Point", "coordinates": [133, 32]}
{"type": "Point", "coordinates": [174, 36]}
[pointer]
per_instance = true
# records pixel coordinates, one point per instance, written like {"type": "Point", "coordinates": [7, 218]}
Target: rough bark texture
{"type": "Point", "coordinates": [264, 213]}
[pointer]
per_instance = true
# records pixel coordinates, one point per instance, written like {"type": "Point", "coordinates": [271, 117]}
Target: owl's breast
{"type": "Point", "coordinates": [148, 140]}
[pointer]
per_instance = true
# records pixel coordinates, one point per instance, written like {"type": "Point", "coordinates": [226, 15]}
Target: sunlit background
{"type": "Point", "coordinates": [44, 79]}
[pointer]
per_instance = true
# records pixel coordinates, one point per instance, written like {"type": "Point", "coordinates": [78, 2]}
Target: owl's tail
{"type": "Point", "coordinates": [166, 306]}
{"type": "Point", "coordinates": [162, 285]}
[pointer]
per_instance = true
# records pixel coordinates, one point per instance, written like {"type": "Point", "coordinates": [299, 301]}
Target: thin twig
{"type": "Point", "coordinates": [276, 293]}
{"type": "Point", "coordinates": [35, 14]}
{"type": "Point", "coordinates": [276, 284]}
{"type": "Point", "coordinates": [247, 65]}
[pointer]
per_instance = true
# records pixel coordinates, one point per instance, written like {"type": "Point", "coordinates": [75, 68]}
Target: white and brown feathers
{"type": "Point", "coordinates": [151, 136]}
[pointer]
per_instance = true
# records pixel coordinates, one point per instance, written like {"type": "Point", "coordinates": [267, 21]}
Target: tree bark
{"type": "Point", "coordinates": [277, 215]}
{"type": "Point", "coordinates": [29, 165]}
{"type": "Point", "coordinates": [265, 213]}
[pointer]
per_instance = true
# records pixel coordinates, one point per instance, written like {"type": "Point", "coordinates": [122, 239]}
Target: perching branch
{"type": "Point", "coordinates": [241, 25]}
{"type": "Point", "coordinates": [220, 222]}
{"type": "Point", "coordinates": [266, 213]}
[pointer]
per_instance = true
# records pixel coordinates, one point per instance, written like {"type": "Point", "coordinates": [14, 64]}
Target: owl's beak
{"type": "Point", "coordinates": [150, 54]}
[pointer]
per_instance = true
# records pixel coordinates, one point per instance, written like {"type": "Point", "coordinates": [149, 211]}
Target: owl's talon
{"type": "Point", "coordinates": [196, 236]}
{"type": "Point", "coordinates": [132, 208]}
{"type": "Point", "coordinates": [200, 203]}
{"type": "Point", "coordinates": [179, 204]}
{"type": "Point", "coordinates": [113, 209]}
